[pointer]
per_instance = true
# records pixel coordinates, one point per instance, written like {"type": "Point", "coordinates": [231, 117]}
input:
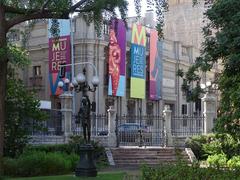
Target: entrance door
{"type": "Point", "coordinates": [140, 131]}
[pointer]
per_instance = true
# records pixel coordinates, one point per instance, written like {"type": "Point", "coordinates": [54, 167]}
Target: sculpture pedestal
{"type": "Point", "coordinates": [86, 165]}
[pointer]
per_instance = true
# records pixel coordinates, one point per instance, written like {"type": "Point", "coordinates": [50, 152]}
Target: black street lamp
{"type": "Point", "coordinates": [84, 114]}
{"type": "Point", "coordinates": [86, 165]}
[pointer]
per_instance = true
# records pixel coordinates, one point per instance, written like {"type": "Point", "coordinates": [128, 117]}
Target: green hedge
{"type": "Point", "coordinates": [63, 148]}
{"type": "Point", "coordinates": [37, 163]}
{"type": "Point", "coordinates": [217, 160]}
{"type": "Point", "coordinates": [51, 159]}
{"type": "Point", "coordinates": [71, 147]}
{"type": "Point", "coordinates": [182, 171]}
{"type": "Point", "coordinates": [212, 144]}
{"type": "Point", "coordinates": [234, 162]}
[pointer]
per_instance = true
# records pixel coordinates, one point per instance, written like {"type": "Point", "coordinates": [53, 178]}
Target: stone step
{"type": "Point", "coordinates": [140, 155]}
{"type": "Point", "coordinates": [145, 153]}
{"type": "Point", "coordinates": [146, 163]}
{"type": "Point", "coordinates": [142, 150]}
{"type": "Point", "coordinates": [134, 156]}
{"type": "Point", "coordinates": [147, 158]}
{"type": "Point", "coordinates": [155, 161]}
{"type": "Point", "coordinates": [130, 154]}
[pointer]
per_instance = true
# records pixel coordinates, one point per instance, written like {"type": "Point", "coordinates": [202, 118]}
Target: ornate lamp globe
{"type": "Point", "coordinates": [74, 82]}
{"type": "Point", "coordinates": [95, 81]}
{"type": "Point", "coordinates": [80, 78]}
{"type": "Point", "coordinates": [208, 83]}
{"type": "Point", "coordinates": [60, 84]}
{"type": "Point", "coordinates": [66, 81]}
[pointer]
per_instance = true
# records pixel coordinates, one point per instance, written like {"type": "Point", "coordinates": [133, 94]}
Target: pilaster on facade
{"type": "Point", "coordinates": [88, 47]}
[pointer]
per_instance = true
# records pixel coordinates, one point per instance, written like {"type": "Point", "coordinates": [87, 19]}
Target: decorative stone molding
{"type": "Point", "coordinates": [66, 109]}
{"type": "Point", "coordinates": [112, 138]}
{"type": "Point", "coordinates": [167, 115]}
{"type": "Point", "coordinates": [209, 106]}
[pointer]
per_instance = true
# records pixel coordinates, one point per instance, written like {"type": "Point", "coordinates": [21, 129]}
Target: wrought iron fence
{"type": "Point", "coordinates": [187, 125]}
{"type": "Point", "coordinates": [140, 131]}
{"type": "Point", "coordinates": [52, 126]}
{"type": "Point", "coordinates": [99, 125]}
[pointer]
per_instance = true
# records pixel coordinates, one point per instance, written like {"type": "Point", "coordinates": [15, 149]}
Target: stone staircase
{"type": "Point", "coordinates": [150, 156]}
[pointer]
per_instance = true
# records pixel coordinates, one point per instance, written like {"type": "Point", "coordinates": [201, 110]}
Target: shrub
{"type": "Point", "coordinates": [22, 108]}
{"type": "Point", "coordinates": [205, 145]}
{"type": "Point", "coordinates": [212, 147]}
{"type": "Point", "coordinates": [217, 160]}
{"type": "Point", "coordinates": [40, 163]}
{"type": "Point", "coordinates": [183, 171]}
{"type": "Point", "coordinates": [196, 144]}
{"type": "Point", "coordinates": [63, 148]}
{"type": "Point", "coordinates": [72, 147]}
{"type": "Point", "coordinates": [234, 162]}
{"type": "Point", "coordinates": [222, 143]}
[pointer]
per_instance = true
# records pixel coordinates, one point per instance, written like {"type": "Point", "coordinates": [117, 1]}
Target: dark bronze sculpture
{"type": "Point", "coordinates": [85, 118]}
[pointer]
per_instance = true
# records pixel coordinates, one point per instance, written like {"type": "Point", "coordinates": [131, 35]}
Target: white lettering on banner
{"type": "Point", "coordinates": [61, 45]}
{"type": "Point", "coordinates": [55, 65]}
{"type": "Point", "coordinates": [138, 61]}
{"type": "Point", "coordinates": [138, 51]}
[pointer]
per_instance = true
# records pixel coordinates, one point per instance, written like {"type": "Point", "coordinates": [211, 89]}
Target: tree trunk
{"type": "Point", "coordinates": [3, 72]}
{"type": "Point", "coordinates": [3, 80]}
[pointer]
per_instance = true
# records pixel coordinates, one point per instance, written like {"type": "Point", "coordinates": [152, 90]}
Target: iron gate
{"type": "Point", "coordinates": [140, 131]}
{"type": "Point", "coordinates": [187, 125]}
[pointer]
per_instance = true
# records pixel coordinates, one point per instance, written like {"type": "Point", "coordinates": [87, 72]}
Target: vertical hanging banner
{"type": "Point", "coordinates": [59, 53]}
{"type": "Point", "coordinates": [138, 62]}
{"type": "Point", "coordinates": [155, 64]}
{"type": "Point", "coordinates": [117, 58]}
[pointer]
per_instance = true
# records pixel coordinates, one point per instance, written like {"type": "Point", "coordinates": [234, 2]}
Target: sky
{"type": "Point", "coordinates": [131, 8]}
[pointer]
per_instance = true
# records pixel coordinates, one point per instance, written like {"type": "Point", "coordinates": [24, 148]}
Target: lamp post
{"type": "Point", "coordinates": [86, 165]}
{"type": "Point", "coordinates": [209, 106]}
{"type": "Point", "coordinates": [84, 114]}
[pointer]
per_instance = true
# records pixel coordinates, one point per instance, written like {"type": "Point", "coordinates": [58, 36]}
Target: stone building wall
{"type": "Point", "coordinates": [88, 47]}
{"type": "Point", "coordinates": [184, 22]}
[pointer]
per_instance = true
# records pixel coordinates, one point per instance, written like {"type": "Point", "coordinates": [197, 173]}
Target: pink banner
{"type": "Point", "coordinates": [59, 53]}
{"type": "Point", "coordinates": [155, 64]}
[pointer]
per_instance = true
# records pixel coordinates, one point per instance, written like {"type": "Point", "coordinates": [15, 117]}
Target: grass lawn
{"type": "Point", "coordinates": [100, 176]}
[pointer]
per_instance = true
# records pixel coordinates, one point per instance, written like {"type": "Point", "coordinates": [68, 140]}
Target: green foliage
{"type": "Point", "coordinates": [205, 145]}
{"type": "Point", "coordinates": [61, 148]}
{"type": "Point", "coordinates": [72, 147]}
{"type": "Point", "coordinates": [180, 73]}
{"type": "Point", "coordinates": [214, 146]}
{"type": "Point", "coordinates": [196, 144]}
{"type": "Point", "coordinates": [51, 159]}
{"type": "Point", "coordinates": [55, 29]}
{"type": "Point", "coordinates": [17, 56]}
{"type": "Point", "coordinates": [21, 108]}
{"type": "Point", "coordinates": [37, 163]}
{"type": "Point", "coordinates": [192, 92]}
{"type": "Point", "coordinates": [222, 143]}
{"type": "Point", "coordinates": [234, 162]}
{"type": "Point", "coordinates": [100, 176]}
{"type": "Point", "coordinates": [181, 171]}
{"type": "Point", "coordinates": [217, 160]}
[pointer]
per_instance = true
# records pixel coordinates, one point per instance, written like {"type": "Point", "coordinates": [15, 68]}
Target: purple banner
{"type": "Point", "coordinates": [59, 53]}
{"type": "Point", "coordinates": [117, 58]}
